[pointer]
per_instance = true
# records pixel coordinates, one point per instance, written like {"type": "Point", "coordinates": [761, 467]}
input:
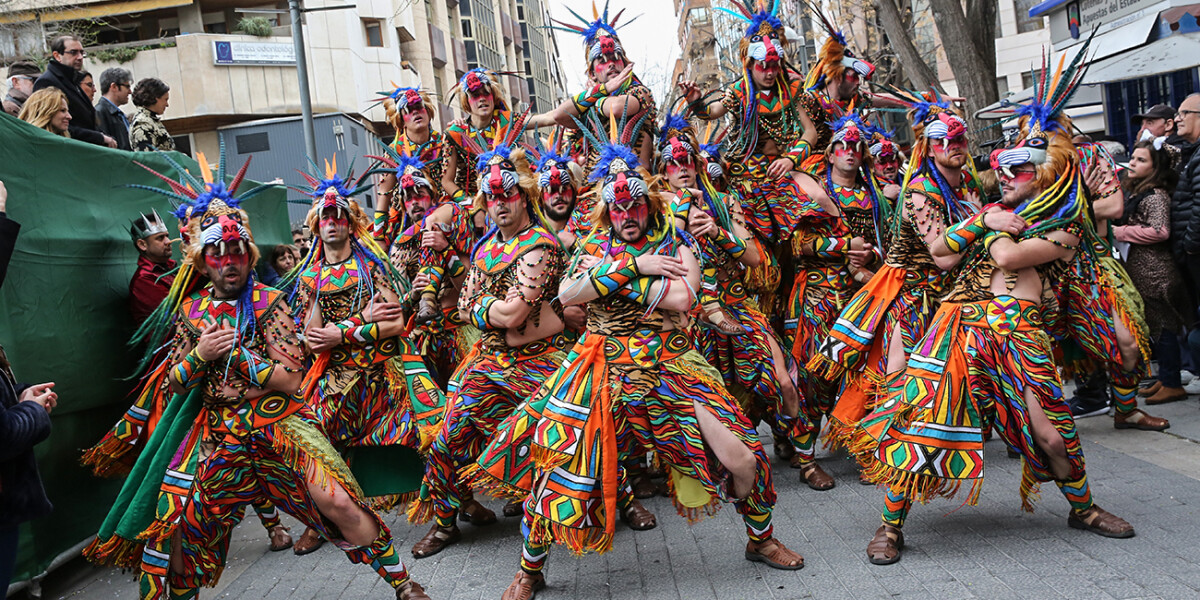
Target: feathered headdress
{"type": "Point", "coordinates": [835, 56]}
{"type": "Point", "coordinates": [332, 190]}
{"type": "Point", "coordinates": [882, 147]}
{"type": "Point", "coordinates": [402, 99]}
{"type": "Point", "coordinates": [599, 33]}
{"type": "Point", "coordinates": [618, 175]}
{"type": "Point", "coordinates": [676, 138]}
{"type": "Point", "coordinates": [479, 81]}
{"type": "Point", "coordinates": [711, 148]}
{"type": "Point", "coordinates": [764, 39]}
{"type": "Point", "coordinates": [851, 130]}
{"type": "Point", "coordinates": [553, 169]}
{"type": "Point", "coordinates": [408, 169]}
{"type": "Point", "coordinates": [212, 211]}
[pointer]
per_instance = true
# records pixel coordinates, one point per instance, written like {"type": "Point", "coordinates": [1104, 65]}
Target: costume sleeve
{"type": "Point", "coordinates": [283, 348]}
{"type": "Point", "coordinates": [8, 242]}
{"type": "Point", "coordinates": [21, 427]}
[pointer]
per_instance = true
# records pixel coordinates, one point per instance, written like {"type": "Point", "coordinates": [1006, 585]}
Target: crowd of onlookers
{"type": "Point", "coordinates": [1158, 237]}
{"type": "Point", "coordinates": [62, 100]}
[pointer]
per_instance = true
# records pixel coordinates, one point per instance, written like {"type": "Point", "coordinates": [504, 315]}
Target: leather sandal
{"type": "Point", "coordinates": [280, 539]}
{"type": "Point", "coordinates": [638, 517]}
{"type": "Point", "coordinates": [812, 474]}
{"type": "Point", "coordinates": [524, 586]}
{"type": "Point", "coordinates": [1167, 394]}
{"type": "Point", "coordinates": [435, 541]}
{"type": "Point", "coordinates": [476, 514]}
{"type": "Point", "coordinates": [1150, 390]}
{"type": "Point", "coordinates": [1144, 423]}
{"type": "Point", "coordinates": [514, 508]}
{"type": "Point", "coordinates": [308, 543]}
{"type": "Point", "coordinates": [784, 449]}
{"type": "Point", "coordinates": [1101, 522]}
{"type": "Point", "coordinates": [644, 487]}
{"type": "Point", "coordinates": [411, 591]}
{"type": "Point", "coordinates": [885, 547]}
{"type": "Point", "coordinates": [774, 554]}
{"type": "Point", "coordinates": [863, 479]}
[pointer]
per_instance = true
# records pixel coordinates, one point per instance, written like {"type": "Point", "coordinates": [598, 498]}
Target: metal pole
{"type": "Point", "coordinates": [310, 140]}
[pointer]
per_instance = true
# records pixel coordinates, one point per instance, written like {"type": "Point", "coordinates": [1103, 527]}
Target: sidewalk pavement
{"type": "Point", "coordinates": [992, 550]}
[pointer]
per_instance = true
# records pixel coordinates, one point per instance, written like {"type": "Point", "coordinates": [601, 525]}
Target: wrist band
{"type": "Point", "coordinates": [729, 243]}
{"type": "Point", "coordinates": [993, 236]}
{"type": "Point", "coordinates": [253, 367]}
{"type": "Point", "coordinates": [479, 312]}
{"type": "Point", "coordinates": [963, 234]}
{"type": "Point", "coordinates": [799, 153]}
{"type": "Point", "coordinates": [608, 278]}
{"type": "Point", "coordinates": [190, 370]}
{"type": "Point", "coordinates": [588, 98]}
{"type": "Point", "coordinates": [830, 246]}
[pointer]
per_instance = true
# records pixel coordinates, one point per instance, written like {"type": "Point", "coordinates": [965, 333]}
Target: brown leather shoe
{"type": "Point", "coordinates": [514, 508]}
{"type": "Point", "coordinates": [411, 591]}
{"type": "Point", "coordinates": [435, 541]}
{"type": "Point", "coordinates": [476, 514]}
{"type": "Point", "coordinates": [1150, 390]}
{"type": "Point", "coordinates": [774, 554]}
{"type": "Point", "coordinates": [816, 477]}
{"type": "Point", "coordinates": [308, 543]}
{"type": "Point", "coordinates": [1138, 419]}
{"type": "Point", "coordinates": [524, 586]}
{"type": "Point", "coordinates": [885, 547]}
{"type": "Point", "coordinates": [638, 517]}
{"type": "Point", "coordinates": [280, 539]}
{"type": "Point", "coordinates": [1101, 522]}
{"type": "Point", "coordinates": [784, 449]}
{"type": "Point", "coordinates": [644, 487]}
{"type": "Point", "coordinates": [863, 479]}
{"type": "Point", "coordinates": [1167, 394]}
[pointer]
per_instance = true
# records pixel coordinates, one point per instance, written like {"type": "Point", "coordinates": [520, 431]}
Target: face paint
{"type": "Point", "coordinates": [637, 211]}
{"type": "Point", "coordinates": [493, 200]}
{"type": "Point", "coordinates": [221, 261]}
{"type": "Point", "coordinates": [843, 150]}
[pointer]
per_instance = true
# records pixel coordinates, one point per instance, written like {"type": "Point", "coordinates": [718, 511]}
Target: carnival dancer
{"type": "Point", "coordinates": [832, 258]}
{"type": "Point", "coordinates": [613, 90]}
{"type": "Point", "coordinates": [633, 366]}
{"type": "Point", "coordinates": [559, 178]}
{"type": "Point", "coordinates": [834, 84]}
{"type": "Point", "coordinates": [986, 359]}
{"type": "Point", "coordinates": [366, 381]}
{"type": "Point", "coordinates": [115, 454]}
{"type": "Point", "coordinates": [235, 432]}
{"type": "Point", "coordinates": [738, 341]}
{"type": "Point", "coordinates": [455, 226]}
{"type": "Point", "coordinates": [410, 111]}
{"type": "Point", "coordinates": [771, 137]}
{"type": "Point", "coordinates": [886, 158]}
{"type": "Point", "coordinates": [867, 348]}
{"type": "Point", "coordinates": [444, 340]}
{"type": "Point", "coordinates": [511, 295]}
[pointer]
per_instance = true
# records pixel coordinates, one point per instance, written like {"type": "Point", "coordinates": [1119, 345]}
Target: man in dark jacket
{"type": "Point", "coordinates": [1185, 204]}
{"type": "Point", "coordinates": [115, 85]}
{"type": "Point", "coordinates": [66, 60]}
{"type": "Point", "coordinates": [24, 422]}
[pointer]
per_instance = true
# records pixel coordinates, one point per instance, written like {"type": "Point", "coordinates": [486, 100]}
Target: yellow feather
{"type": "Point", "coordinates": [1057, 75]}
{"type": "Point", "coordinates": [595, 11]}
{"type": "Point", "coordinates": [708, 133]}
{"type": "Point", "coordinates": [612, 127]}
{"type": "Point", "coordinates": [205, 170]}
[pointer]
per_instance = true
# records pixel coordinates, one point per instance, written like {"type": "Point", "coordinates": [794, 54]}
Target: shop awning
{"type": "Point", "coordinates": [1164, 56]}
{"type": "Point", "coordinates": [1114, 41]}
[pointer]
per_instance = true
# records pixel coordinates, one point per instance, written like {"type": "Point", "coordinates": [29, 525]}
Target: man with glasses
{"type": "Point", "coordinates": [66, 60]}
{"type": "Point", "coordinates": [116, 85]}
{"type": "Point", "coordinates": [21, 76]}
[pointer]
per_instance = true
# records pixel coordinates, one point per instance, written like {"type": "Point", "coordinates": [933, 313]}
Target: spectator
{"type": "Point", "coordinates": [48, 109]}
{"type": "Point", "coordinates": [24, 422]}
{"type": "Point", "coordinates": [1149, 182]}
{"type": "Point", "coordinates": [1159, 121]}
{"type": "Point", "coordinates": [151, 281]}
{"type": "Point", "coordinates": [1185, 205]}
{"type": "Point", "coordinates": [115, 85]}
{"type": "Point", "coordinates": [88, 85]}
{"type": "Point", "coordinates": [300, 239]}
{"type": "Point", "coordinates": [148, 133]}
{"type": "Point", "coordinates": [283, 259]}
{"type": "Point", "coordinates": [21, 76]}
{"type": "Point", "coordinates": [66, 61]}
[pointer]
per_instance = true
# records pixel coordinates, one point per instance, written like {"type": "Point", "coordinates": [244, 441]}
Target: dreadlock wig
{"type": "Point", "coordinates": [504, 168]}
{"type": "Point", "coordinates": [402, 99]}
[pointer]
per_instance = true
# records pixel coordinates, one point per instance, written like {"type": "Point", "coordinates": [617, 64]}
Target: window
{"type": "Point", "coordinates": [1026, 23]}
{"type": "Point", "coordinates": [466, 29]}
{"type": "Point", "coordinates": [438, 88]}
{"type": "Point", "coordinates": [252, 142]}
{"type": "Point", "coordinates": [1002, 86]}
{"type": "Point", "coordinates": [429, 10]}
{"type": "Point", "coordinates": [374, 32]}
{"type": "Point", "coordinates": [698, 15]}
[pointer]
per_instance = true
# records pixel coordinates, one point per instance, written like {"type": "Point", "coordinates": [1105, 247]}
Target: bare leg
{"type": "Point", "coordinates": [356, 524]}
{"type": "Point", "coordinates": [1127, 346]}
{"type": "Point", "coordinates": [791, 397]}
{"type": "Point", "coordinates": [728, 449]}
{"type": "Point", "coordinates": [896, 360]}
{"type": "Point", "coordinates": [1047, 437]}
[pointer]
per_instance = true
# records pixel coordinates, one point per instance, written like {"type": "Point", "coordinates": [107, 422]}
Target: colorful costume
{"type": "Point", "coordinates": [230, 439]}
{"type": "Point", "coordinates": [834, 60]}
{"type": "Point", "coordinates": [389, 223]}
{"type": "Point", "coordinates": [905, 292]}
{"type": "Point", "coordinates": [825, 280]}
{"type": "Point", "coordinates": [366, 391]}
{"type": "Point", "coordinates": [497, 376]}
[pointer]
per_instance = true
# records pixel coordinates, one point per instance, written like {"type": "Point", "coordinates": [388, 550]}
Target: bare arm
{"type": "Point", "coordinates": [449, 170]}
{"type": "Point", "coordinates": [534, 270]}
{"type": "Point", "coordinates": [1014, 256]}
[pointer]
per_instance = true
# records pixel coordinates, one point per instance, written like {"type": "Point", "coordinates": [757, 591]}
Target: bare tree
{"type": "Point", "coordinates": [968, 32]}
{"type": "Point", "coordinates": [899, 31]}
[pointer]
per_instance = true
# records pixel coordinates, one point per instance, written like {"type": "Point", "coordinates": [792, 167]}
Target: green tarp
{"type": "Point", "coordinates": [64, 304]}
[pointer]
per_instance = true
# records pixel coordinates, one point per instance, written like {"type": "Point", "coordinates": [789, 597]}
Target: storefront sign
{"type": "Point", "coordinates": [234, 52]}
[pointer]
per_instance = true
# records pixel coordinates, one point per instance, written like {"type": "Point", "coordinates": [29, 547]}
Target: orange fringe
{"type": "Point", "coordinates": [478, 479]}
{"type": "Point", "coordinates": [159, 531]}
{"type": "Point", "coordinates": [546, 459]}
{"type": "Point", "coordinates": [105, 457]}
{"type": "Point", "coordinates": [1030, 487]}
{"type": "Point", "coordinates": [294, 451]}
{"type": "Point", "coordinates": [920, 487]}
{"type": "Point", "coordinates": [116, 551]}
{"type": "Point", "coordinates": [580, 542]}
{"type": "Point", "coordinates": [827, 370]}
{"type": "Point", "coordinates": [420, 511]}
{"type": "Point", "coordinates": [694, 514]}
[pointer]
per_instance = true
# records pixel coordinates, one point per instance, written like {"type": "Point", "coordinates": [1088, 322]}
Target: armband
{"type": "Point", "coordinates": [729, 243]}
{"type": "Point", "coordinates": [993, 236]}
{"type": "Point", "coordinates": [588, 98]}
{"type": "Point", "coordinates": [608, 278]}
{"type": "Point", "coordinates": [830, 246]}
{"type": "Point", "coordinates": [699, 108]}
{"type": "Point", "coordinates": [254, 368]}
{"type": "Point", "coordinates": [361, 334]}
{"type": "Point", "coordinates": [479, 312]}
{"type": "Point", "coordinates": [682, 203]}
{"type": "Point", "coordinates": [190, 370]}
{"type": "Point", "coordinates": [961, 235]}
{"type": "Point", "coordinates": [799, 153]}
